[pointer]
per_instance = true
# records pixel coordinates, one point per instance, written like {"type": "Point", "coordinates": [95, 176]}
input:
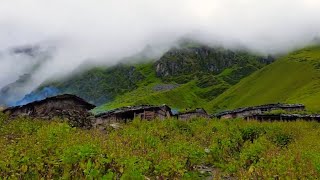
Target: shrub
{"type": "Point", "coordinates": [169, 149]}
{"type": "Point", "coordinates": [280, 137]}
{"type": "Point", "coordinates": [250, 132]}
{"type": "Point", "coordinates": [252, 152]}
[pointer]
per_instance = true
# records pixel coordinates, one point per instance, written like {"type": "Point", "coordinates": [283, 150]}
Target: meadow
{"type": "Point", "coordinates": [169, 149]}
{"type": "Point", "coordinates": [293, 78]}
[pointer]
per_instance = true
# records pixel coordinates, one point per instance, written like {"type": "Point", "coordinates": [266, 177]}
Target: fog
{"type": "Point", "coordinates": [108, 30]}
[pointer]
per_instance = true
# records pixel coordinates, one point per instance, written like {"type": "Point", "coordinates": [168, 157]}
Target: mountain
{"type": "Point", "coordinates": [184, 77]}
{"type": "Point", "coordinates": [101, 84]}
{"type": "Point", "coordinates": [34, 56]}
{"type": "Point", "coordinates": [38, 95]}
{"type": "Point", "coordinates": [188, 77]}
{"type": "Point", "coordinates": [198, 61]}
{"type": "Point", "coordinates": [8, 92]}
{"type": "Point", "coordinates": [294, 78]}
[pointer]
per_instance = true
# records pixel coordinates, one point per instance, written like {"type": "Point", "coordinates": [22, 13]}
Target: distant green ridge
{"type": "Point", "coordinates": [294, 78]}
{"type": "Point", "coordinates": [188, 71]}
{"type": "Point", "coordinates": [183, 78]}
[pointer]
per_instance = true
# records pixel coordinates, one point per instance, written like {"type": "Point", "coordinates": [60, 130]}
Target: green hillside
{"type": "Point", "coordinates": [188, 78]}
{"type": "Point", "coordinates": [183, 78]}
{"type": "Point", "coordinates": [101, 84]}
{"type": "Point", "coordinates": [293, 79]}
{"type": "Point", "coordinates": [179, 96]}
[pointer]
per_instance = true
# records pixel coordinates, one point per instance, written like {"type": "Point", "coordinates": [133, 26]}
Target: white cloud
{"type": "Point", "coordinates": [117, 28]}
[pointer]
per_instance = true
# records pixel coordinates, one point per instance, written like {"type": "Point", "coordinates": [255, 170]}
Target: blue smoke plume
{"type": "Point", "coordinates": [37, 95]}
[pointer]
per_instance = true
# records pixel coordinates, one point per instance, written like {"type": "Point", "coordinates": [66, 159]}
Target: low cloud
{"type": "Point", "coordinates": [109, 30]}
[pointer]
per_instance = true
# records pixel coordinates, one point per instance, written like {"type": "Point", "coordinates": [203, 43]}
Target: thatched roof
{"type": "Point", "coordinates": [266, 106]}
{"type": "Point", "coordinates": [133, 108]}
{"type": "Point", "coordinates": [81, 101]}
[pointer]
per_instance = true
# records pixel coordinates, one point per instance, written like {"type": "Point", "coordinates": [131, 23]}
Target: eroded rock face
{"type": "Point", "coordinates": [204, 59]}
{"type": "Point", "coordinates": [188, 60]}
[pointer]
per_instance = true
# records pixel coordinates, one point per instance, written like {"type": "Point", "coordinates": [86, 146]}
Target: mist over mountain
{"type": "Point", "coordinates": [185, 76]}
{"type": "Point", "coordinates": [159, 89]}
{"type": "Point", "coordinates": [82, 33]}
{"type": "Point", "coordinates": [19, 65]}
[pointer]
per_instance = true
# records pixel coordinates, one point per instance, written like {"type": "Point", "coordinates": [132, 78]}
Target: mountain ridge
{"type": "Point", "coordinates": [199, 76]}
{"type": "Point", "coordinates": [294, 78]}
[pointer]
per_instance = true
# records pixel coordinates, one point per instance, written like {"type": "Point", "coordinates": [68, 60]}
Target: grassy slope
{"type": "Point", "coordinates": [292, 79]}
{"type": "Point", "coordinates": [180, 97]}
{"type": "Point", "coordinates": [194, 90]}
{"type": "Point", "coordinates": [190, 95]}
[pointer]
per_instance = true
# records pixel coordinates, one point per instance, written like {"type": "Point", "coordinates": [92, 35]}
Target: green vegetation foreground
{"type": "Point", "coordinates": [165, 149]}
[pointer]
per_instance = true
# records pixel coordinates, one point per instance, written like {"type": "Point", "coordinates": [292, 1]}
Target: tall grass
{"type": "Point", "coordinates": [32, 149]}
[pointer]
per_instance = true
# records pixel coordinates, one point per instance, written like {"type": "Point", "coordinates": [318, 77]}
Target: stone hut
{"type": "Point", "coordinates": [284, 117]}
{"type": "Point", "coordinates": [248, 111]}
{"type": "Point", "coordinates": [197, 113]}
{"type": "Point", "coordinates": [67, 106]}
{"type": "Point", "coordinates": [125, 114]}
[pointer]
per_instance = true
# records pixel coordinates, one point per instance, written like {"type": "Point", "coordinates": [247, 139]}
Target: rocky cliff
{"type": "Point", "coordinates": [196, 61]}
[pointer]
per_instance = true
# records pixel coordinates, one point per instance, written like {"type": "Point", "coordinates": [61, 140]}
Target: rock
{"type": "Point", "coordinates": [204, 169]}
{"type": "Point", "coordinates": [165, 87]}
{"type": "Point", "coordinates": [116, 125]}
{"type": "Point", "coordinates": [204, 59]}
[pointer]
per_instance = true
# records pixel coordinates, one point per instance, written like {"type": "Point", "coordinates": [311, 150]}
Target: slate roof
{"type": "Point", "coordinates": [197, 110]}
{"type": "Point", "coordinates": [266, 106]}
{"type": "Point", "coordinates": [132, 108]}
{"type": "Point", "coordinates": [288, 116]}
{"type": "Point", "coordinates": [58, 97]}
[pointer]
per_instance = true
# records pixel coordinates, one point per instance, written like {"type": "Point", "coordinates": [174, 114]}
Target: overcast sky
{"type": "Point", "coordinates": [83, 29]}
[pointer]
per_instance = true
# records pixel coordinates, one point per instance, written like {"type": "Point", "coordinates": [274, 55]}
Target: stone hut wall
{"type": "Point", "coordinates": [249, 112]}
{"type": "Point", "coordinates": [245, 112]}
{"type": "Point", "coordinates": [228, 116]}
{"type": "Point", "coordinates": [128, 115]}
{"type": "Point", "coordinates": [187, 116]}
{"type": "Point", "coordinates": [77, 115]}
{"type": "Point", "coordinates": [196, 113]}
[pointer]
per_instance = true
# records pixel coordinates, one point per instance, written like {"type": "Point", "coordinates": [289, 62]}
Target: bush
{"type": "Point", "coordinates": [169, 149]}
{"type": "Point", "coordinates": [280, 137]}
{"type": "Point", "coordinates": [250, 133]}
{"type": "Point", "coordinates": [252, 152]}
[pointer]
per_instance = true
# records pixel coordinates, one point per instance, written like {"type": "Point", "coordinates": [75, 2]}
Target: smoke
{"type": "Point", "coordinates": [37, 96]}
{"type": "Point", "coordinates": [109, 30]}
